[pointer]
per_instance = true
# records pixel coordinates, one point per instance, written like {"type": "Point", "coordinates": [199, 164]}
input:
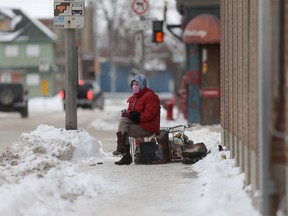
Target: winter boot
{"type": "Point", "coordinates": [127, 158]}
{"type": "Point", "coordinates": [120, 144]}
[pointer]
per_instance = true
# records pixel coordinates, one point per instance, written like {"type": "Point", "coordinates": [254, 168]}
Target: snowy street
{"type": "Point", "coordinates": [51, 171]}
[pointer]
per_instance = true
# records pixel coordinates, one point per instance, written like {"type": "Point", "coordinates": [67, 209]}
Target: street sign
{"type": "Point", "coordinates": [44, 65]}
{"type": "Point", "coordinates": [141, 25]}
{"type": "Point", "coordinates": [69, 14]}
{"type": "Point", "coordinates": [140, 7]}
{"type": "Point", "coordinates": [44, 85]}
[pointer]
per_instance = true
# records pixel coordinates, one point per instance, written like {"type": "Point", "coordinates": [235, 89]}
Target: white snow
{"type": "Point", "coordinates": [52, 171]}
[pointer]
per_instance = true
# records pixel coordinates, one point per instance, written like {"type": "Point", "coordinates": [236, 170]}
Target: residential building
{"type": "Point", "coordinates": [27, 53]}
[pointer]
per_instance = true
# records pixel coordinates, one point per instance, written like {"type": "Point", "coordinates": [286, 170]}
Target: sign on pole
{"type": "Point", "coordinates": [44, 85]}
{"type": "Point", "coordinates": [141, 25]}
{"type": "Point", "coordinates": [69, 14]}
{"type": "Point", "coordinates": [140, 7]}
{"type": "Point", "coordinates": [44, 65]}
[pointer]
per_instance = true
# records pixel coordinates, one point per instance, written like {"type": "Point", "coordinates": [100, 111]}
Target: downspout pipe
{"type": "Point", "coordinates": [264, 104]}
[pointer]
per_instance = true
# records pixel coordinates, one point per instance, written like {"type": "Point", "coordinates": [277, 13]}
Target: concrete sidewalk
{"type": "Point", "coordinates": [107, 138]}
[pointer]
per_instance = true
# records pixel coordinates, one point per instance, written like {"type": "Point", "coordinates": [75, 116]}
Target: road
{"type": "Point", "coordinates": [12, 126]}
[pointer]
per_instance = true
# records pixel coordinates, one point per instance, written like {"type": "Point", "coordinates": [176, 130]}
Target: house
{"type": "Point", "coordinates": [27, 53]}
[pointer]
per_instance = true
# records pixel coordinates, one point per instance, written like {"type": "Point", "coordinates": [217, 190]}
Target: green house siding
{"type": "Point", "coordinates": [33, 61]}
{"type": "Point", "coordinates": [22, 60]}
{"type": "Point", "coordinates": [38, 90]}
{"type": "Point", "coordinates": [30, 67]}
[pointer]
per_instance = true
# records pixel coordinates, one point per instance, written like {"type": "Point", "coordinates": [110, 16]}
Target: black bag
{"type": "Point", "coordinates": [194, 153]}
{"type": "Point", "coordinates": [156, 151]}
{"type": "Point", "coordinates": [149, 152]}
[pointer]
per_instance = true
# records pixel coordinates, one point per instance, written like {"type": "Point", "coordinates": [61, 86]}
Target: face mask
{"type": "Point", "coordinates": [135, 89]}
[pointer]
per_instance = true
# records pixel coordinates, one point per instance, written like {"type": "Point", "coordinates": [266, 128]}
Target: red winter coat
{"type": "Point", "coordinates": [147, 103]}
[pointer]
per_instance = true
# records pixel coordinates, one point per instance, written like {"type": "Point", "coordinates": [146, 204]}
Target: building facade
{"type": "Point", "coordinates": [201, 82]}
{"type": "Point", "coordinates": [27, 53]}
{"type": "Point", "coordinates": [254, 94]}
{"type": "Point", "coordinates": [254, 111]}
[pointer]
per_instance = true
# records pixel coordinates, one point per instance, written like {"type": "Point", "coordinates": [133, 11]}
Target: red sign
{"type": "Point", "coordinates": [140, 7]}
{"type": "Point", "coordinates": [210, 92]}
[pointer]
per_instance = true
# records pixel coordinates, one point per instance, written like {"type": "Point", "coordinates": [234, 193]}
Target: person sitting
{"type": "Point", "coordinates": [141, 119]}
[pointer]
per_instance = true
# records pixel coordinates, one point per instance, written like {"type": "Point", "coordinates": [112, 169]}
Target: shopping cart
{"type": "Point", "coordinates": [177, 141]}
{"type": "Point", "coordinates": [167, 146]}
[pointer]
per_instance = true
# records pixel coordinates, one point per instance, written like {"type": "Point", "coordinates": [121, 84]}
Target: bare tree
{"type": "Point", "coordinates": [117, 38]}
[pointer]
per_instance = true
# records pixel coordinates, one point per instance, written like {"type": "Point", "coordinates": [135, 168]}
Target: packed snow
{"type": "Point", "coordinates": [52, 171]}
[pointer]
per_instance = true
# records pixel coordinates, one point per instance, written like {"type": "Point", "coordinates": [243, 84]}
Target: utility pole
{"type": "Point", "coordinates": [164, 11]}
{"type": "Point", "coordinates": [96, 51]}
{"type": "Point", "coordinates": [69, 15]}
{"type": "Point", "coordinates": [71, 71]}
{"type": "Point", "coordinates": [140, 8]}
{"type": "Point", "coordinates": [111, 56]}
{"type": "Point", "coordinates": [113, 74]}
{"type": "Point", "coordinates": [141, 62]}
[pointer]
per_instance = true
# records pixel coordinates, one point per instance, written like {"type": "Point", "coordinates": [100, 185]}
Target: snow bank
{"type": "Point", "coordinates": [40, 171]}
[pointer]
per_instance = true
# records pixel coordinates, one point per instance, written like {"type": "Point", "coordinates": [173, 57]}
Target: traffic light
{"type": "Point", "coordinates": [158, 34]}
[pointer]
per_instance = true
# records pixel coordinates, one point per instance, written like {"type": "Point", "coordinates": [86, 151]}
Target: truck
{"type": "Point", "coordinates": [14, 98]}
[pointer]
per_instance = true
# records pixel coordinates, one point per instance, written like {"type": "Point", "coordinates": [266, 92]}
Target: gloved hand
{"type": "Point", "coordinates": [125, 114]}
{"type": "Point", "coordinates": [135, 116]}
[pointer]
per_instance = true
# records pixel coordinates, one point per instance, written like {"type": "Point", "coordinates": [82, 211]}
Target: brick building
{"type": "Point", "coordinates": [254, 96]}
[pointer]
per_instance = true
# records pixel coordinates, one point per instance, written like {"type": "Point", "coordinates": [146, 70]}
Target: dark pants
{"type": "Point", "coordinates": [132, 129]}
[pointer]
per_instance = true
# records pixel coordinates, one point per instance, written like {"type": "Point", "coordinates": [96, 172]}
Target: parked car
{"type": "Point", "coordinates": [89, 95]}
{"type": "Point", "coordinates": [14, 98]}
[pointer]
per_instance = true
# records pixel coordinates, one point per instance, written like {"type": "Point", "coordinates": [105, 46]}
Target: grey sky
{"type": "Point", "coordinates": [35, 9]}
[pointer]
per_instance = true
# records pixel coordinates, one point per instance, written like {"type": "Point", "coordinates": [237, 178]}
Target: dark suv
{"type": "Point", "coordinates": [14, 98]}
{"type": "Point", "coordinates": [89, 95]}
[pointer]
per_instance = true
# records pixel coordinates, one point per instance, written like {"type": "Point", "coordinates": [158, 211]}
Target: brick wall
{"type": "Point", "coordinates": [240, 93]}
{"type": "Point", "coordinates": [239, 83]}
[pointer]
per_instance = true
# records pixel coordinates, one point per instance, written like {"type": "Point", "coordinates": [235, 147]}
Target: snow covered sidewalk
{"type": "Point", "coordinates": [51, 171]}
{"type": "Point", "coordinates": [57, 172]}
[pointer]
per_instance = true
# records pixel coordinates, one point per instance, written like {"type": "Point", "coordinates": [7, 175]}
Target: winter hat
{"type": "Point", "coordinates": [141, 80]}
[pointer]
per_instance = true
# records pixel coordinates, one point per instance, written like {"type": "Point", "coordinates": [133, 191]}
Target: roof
{"type": "Point", "coordinates": [23, 28]}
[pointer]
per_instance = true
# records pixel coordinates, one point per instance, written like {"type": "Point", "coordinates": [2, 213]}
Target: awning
{"type": "Point", "coordinates": [202, 29]}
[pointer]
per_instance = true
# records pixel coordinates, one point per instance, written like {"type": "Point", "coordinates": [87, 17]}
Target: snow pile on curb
{"type": "Point", "coordinates": [219, 178]}
{"type": "Point", "coordinates": [41, 171]}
